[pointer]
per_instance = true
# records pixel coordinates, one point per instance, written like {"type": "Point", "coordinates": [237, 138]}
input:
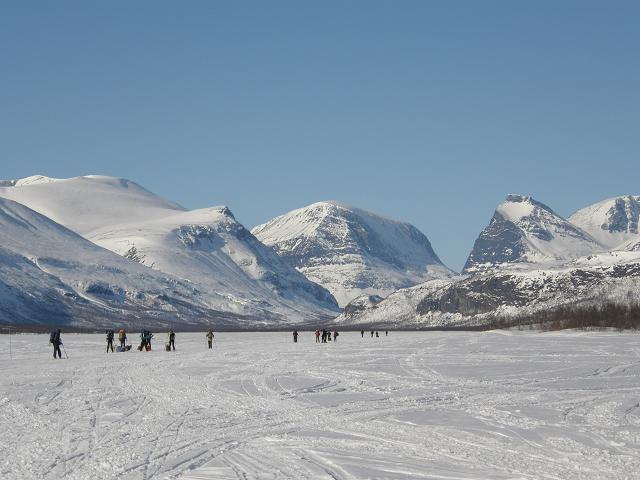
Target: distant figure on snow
{"type": "Point", "coordinates": [317, 336]}
{"type": "Point", "coordinates": [386, 333]}
{"type": "Point", "coordinates": [56, 341]}
{"type": "Point", "coordinates": [324, 335]}
{"type": "Point", "coordinates": [295, 336]}
{"type": "Point", "coordinates": [122, 336]}
{"type": "Point", "coordinates": [210, 338]}
{"type": "Point", "coordinates": [172, 339]}
{"type": "Point", "coordinates": [335, 336]}
{"type": "Point", "coordinates": [371, 333]}
{"type": "Point", "coordinates": [110, 335]}
{"type": "Point", "coordinates": [376, 334]}
{"type": "Point", "coordinates": [362, 333]}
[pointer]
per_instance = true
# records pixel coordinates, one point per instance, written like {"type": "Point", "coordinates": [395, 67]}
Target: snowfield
{"type": "Point", "coordinates": [428, 405]}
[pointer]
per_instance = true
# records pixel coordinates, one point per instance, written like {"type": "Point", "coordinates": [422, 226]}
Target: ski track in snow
{"type": "Point", "coordinates": [445, 405]}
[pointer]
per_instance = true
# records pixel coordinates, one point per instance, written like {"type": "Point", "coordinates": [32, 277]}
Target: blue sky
{"type": "Point", "coordinates": [429, 112]}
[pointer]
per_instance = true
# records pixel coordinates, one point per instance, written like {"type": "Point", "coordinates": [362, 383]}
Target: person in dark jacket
{"type": "Point", "coordinates": [56, 340]}
{"type": "Point", "coordinates": [145, 340]}
{"type": "Point", "coordinates": [335, 336]}
{"type": "Point", "coordinates": [110, 335]}
{"type": "Point", "coordinates": [210, 338]}
{"type": "Point", "coordinates": [295, 336]}
{"type": "Point", "coordinates": [362, 333]}
{"type": "Point", "coordinates": [172, 339]}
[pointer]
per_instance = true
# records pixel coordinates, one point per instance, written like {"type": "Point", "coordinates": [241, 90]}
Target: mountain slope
{"type": "Point", "coordinates": [211, 249]}
{"type": "Point", "coordinates": [613, 222]}
{"type": "Point", "coordinates": [524, 230]}
{"type": "Point", "coordinates": [52, 275]}
{"type": "Point", "coordinates": [511, 291]}
{"type": "Point", "coordinates": [207, 249]}
{"type": "Point", "coordinates": [350, 251]}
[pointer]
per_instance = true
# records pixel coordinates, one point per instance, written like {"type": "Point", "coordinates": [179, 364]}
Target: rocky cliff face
{"type": "Point", "coordinates": [527, 231]}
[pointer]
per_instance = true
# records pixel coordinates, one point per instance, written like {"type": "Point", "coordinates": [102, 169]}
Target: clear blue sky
{"type": "Point", "coordinates": [429, 112]}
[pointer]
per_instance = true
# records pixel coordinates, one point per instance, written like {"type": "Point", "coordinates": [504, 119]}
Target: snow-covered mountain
{"type": "Point", "coordinates": [613, 222]}
{"type": "Point", "coordinates": [51, 275]}
{"type": "Point", "coordinates": [350, 251]}
{"type": "Point", "coordinates": [528, 260]}
{"type": "Point", "coordinates": [206, 249]}
{"type": "Point", "coordinates": [524, 230]}
{"type": "Point", "coordinates": [511, 291]}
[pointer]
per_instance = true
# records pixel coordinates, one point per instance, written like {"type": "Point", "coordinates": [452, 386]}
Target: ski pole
{"type": "Point", "coordinates": [65, 352]}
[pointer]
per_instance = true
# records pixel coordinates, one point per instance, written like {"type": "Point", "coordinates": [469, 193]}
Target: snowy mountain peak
{"type": "Point", "coordinates": [612, 222]}
{"type": "Point", "coordinates": [525, 230]}
{"type": "Point", "coordinates": [516, 207]}
{"type": "Point", "coordinates": [350, 251]}
{"type": "Point", "coordinates": [32, 180]}
{"type": "Point", "coordinates": [84, 204]}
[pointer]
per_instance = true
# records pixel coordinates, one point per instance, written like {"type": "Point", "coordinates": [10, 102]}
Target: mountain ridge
{"type": "Point", "coordinates": [351, 251]}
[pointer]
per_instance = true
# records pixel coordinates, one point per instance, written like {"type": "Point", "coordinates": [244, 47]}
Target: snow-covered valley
{"type": "Point", "coordinates": [423, 405]}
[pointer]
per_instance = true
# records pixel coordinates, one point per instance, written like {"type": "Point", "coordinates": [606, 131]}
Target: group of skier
{"type": "Point", "coordinates": [145, 341]}
{"type": "Point", "coordinates": [386, 333]}
{"type": "Point", "coordinates": [322, 336]}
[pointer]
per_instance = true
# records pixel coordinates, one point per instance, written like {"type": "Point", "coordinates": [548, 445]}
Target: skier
{"type": "Point", "coordinates": [110, 335]}
{"type": "Point", "coordinates": [210, 338]}
{"type": "Point", "coordinates": [56, 341]}
{"type": "Point", "coordinates": [335, 336]}
{"type": "Point", "coordinates": [295, 336]}
{"type": "Point", "coordinates": [122, 336]}
{"type": "Point", "coordinates": [362, 333]}
{"type": "Point", "coordinates": [376, 334]}
{"type": "Point", "coordinates": [145, 340]}
{"type": "Point", "coordinates": [317, 336]}
{"type": "Point", "coordinates": [172, 339]}
{"type": "Point", "coordinates": [324, 336]}
{"type": "Point", "coordinates": [386, 333]}
{"type": "Point", "coordinates": [371, 333]}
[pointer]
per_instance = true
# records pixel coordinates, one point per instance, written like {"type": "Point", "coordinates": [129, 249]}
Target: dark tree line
{"type": "Point", "coordinates": [608, 315]}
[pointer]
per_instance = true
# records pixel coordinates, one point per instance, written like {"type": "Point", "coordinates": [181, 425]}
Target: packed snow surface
{"type": "Point", "coordinates": [495, 405]}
